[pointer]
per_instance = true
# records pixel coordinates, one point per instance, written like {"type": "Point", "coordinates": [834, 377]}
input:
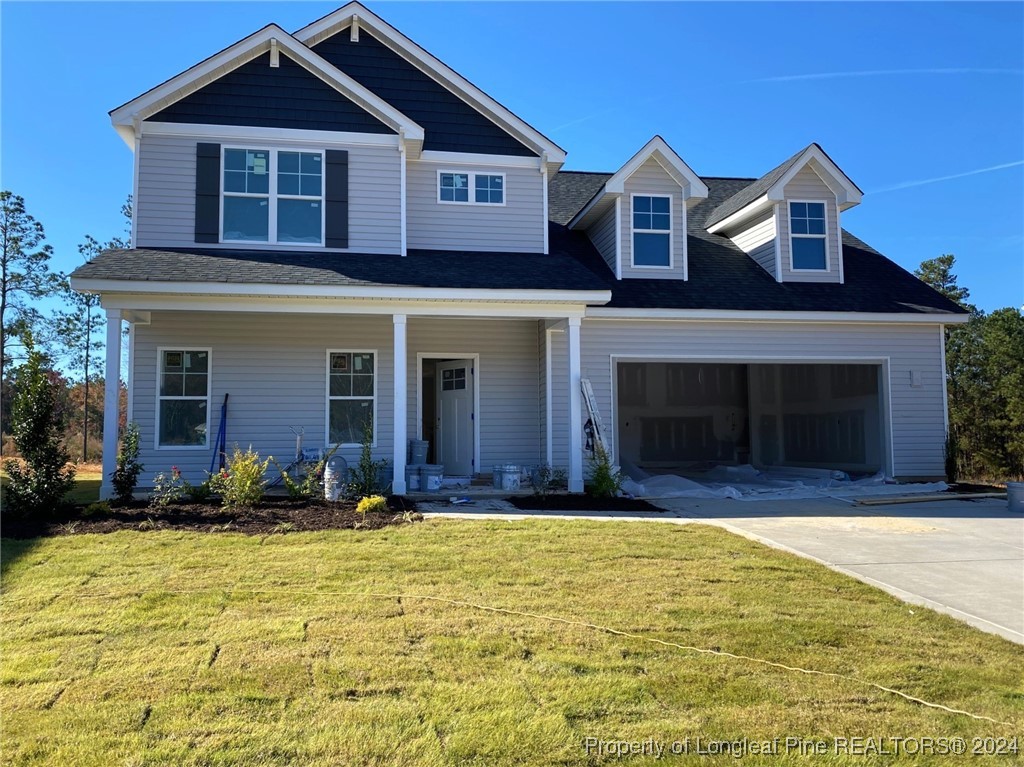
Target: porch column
{"type": "Point", "coordinates": [111, 401]}
{"type": "Point", "coordinates": [401, 414]}
{"type": "Point", "coordinates": [575, 416]}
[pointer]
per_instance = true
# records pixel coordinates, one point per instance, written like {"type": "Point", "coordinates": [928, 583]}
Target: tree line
{"type": "Point", "coordinates": [70, 336]}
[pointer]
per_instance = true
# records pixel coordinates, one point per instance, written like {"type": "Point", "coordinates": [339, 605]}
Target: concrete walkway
{"type": "Point", "coordinates": [963, 558]}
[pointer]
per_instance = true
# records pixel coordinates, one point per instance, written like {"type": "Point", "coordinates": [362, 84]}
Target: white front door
{"type": "Point", "coordinates": [455, 413]}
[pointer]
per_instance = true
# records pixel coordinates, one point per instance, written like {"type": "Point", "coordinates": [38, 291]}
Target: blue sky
{"type": "Point", "coordinates": [898, 94]}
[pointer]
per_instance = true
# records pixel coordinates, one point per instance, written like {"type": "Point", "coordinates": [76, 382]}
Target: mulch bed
{"type": "Point", "coordinates": [575, 502]}
{"type": "Point", "coordinates": [971, 487]}
{"type": "Point", "coordinates": [274, 515]}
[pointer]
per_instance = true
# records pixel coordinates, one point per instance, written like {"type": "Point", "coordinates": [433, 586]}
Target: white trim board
{"type": "Point", "coordinates": [475, 356]}
{"type": "Point", "coordinates": [254, 133]}
{"type": "Point", "coordinates": [729, 315]}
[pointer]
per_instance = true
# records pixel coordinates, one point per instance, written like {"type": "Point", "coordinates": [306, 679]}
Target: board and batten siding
{"type": "Point", "coordinates": [757, 240]}
{"type": "Point", "coordinates": [917, 423]}
{"type": "Point", "coordinates": [509, 410]}
{"type": "Point", "coordinates": [274, 366]}
{"type": "Point", "coordinates": [515, 227]}
{"type": "Point", "coordinates": [808, 186]}
{"type": "Point", "coordinates": [651, 178]}
{"type": "Point", "coordinates": [602, 235]}
{"type": "Point", "coordinates": [165, 208]}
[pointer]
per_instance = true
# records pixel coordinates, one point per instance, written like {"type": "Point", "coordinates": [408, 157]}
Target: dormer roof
{"type": "Point", "coordinates": [768, 189]}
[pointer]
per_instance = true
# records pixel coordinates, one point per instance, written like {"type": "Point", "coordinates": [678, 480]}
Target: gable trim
{"type": "Point", "coordinates": [847, 193]}
{"type": "Point", "coordinates": [126, 117]}
{"type": "Point", "coordinates": [356, 13]}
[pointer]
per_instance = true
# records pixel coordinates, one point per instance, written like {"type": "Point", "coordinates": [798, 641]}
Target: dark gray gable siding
{"type": "Point", "coordinates": [287, 96]}
{"type": "Point", "coordinates": [451, 125]}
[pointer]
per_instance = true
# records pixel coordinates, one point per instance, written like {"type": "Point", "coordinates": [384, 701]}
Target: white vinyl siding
{"type": "Point", "coordinates": [165, 208]}
{"type": "Point", "coordinates": [757, 240]}
{"type": "Point", "coordinates": [651, 179]}
{"type": "Point", "coordinates": [602, 234]}
{"type": "Point", "coordinates": [515, 226]}
{"type": "Point", "coordinates": [917, 412]}
{"type": "Point", "coordinates": [807, 185]}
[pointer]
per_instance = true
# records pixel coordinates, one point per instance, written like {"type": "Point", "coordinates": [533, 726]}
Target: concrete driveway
{"type": "Point", "coordinates": [963, 558]}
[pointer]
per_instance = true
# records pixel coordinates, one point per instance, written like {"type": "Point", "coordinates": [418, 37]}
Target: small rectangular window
{"type": "Point", "coordinates": [652, 231]}
{"type": "Point", "coordinates": [807, 236]}
{"type": "Point", "coordinates": [351, 395]}
{"type": "Point", "coordinates": [470, 188]}
{"type": "Point", "coordinates": [184, 398]}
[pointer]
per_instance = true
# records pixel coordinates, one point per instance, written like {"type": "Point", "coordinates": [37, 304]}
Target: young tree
{"type": "Point", "coordinates": [25, 274]}
{"type": "Point", "coordinates": [36, 423]}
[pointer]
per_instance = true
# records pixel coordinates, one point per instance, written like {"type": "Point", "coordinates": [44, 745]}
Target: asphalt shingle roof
{"type": "Point", "coordinates": [751, 192]}
{"type": "Point", "coordinates": [721, 276]}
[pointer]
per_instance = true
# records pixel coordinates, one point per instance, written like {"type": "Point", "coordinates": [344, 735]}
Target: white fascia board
{"type": "Point", "coordinates": [750, 210]}
{"type": "Point", "coordinates": [383, 293]}
{"type": "Point", "coordinates": [482, 310]}
{"type": "Point", "coordinates": [246, 50]}
{"type": "Point", "coordinates": [583, 219]}
{"type": "Point", "coordinates": [847, 193]}
{"type": "Point", "coordinates": [432, 66]}
{"type": "Point", "coordinates": [673, 164]}
{"type": "Point", "coordinates": [489, 160]}
{"type": "Point", "coordinates": [727, 315]}
{"type": "Point", "coordinates": [246, 132]}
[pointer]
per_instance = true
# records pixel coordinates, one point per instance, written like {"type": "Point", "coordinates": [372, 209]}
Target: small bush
{"type": "Point", "coordinates": [374, 504]}
{"type": "Point", "coordinates": [126, 476]}
{"type": "Point", "coordinates": [44, 479]}
{"type": "Point", "coordinates": [364, 479]}
{"type": "Point", "coordinates": [242, 483]}
{"type": "Point", "coordinates": [311, 484]}
{"type": "Point", "coordinates": [546, 479]}
{"type": "Point", "coordinates": [98, 509]}
{"type": "Point", "coordinates": [605, 479]}
{"type": "Point", "coordinates": [198, 493]}
{"type": "Point", "coordinates": [167, 488]}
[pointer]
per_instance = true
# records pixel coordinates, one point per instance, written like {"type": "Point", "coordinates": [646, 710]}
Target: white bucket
{"type": "Point", "coordinates": [1015, 496]}
{"type": "Point", "coordinates": [412, 478]}
{"type": "Point", "coordinates": [430, 477]}
{"type": "Point", "coordinates": [510, 478]}
{"type": "Point", "coordinates": [334, 474]}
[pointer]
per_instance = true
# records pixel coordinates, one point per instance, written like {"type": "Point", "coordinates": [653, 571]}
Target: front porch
{"type": "Point", "coordinates": [476, 380]}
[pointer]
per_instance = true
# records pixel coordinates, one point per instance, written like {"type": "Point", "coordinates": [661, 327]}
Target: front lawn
{"type": "Point", "coordinates": [194, 648]}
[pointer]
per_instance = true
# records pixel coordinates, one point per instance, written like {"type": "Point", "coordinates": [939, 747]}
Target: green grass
{"type": "Point", "coordinates": [222, 649]}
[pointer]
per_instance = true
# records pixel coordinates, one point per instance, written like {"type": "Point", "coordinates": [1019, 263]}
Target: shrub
{"type": "Point", "coordinates": [98, 509]}
{"type": "Point", "coordinates": [546, 479]}
{"type": "Point", "coordinates": [364, 479]}
{"type": "Point", "coordinates": [242, 483]}
{"type": "Point", "coordinates": [167, 488]}
{"type": "Point", "coordinates": [36, 425]}
{"type": "Point", "coordinates": [605, 479]}
{"type": "Point", "coordinates": [374, 504]}
{"type": "Point", "coordinates": [126, 476]}
{"type": "Point", "coordinates": [198, 493]}
{"type": "Point", "coordinates": [312, 483]}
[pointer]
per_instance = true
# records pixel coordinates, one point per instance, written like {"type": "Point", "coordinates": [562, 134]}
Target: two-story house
{"type": "Point", "coordinates": [340, 232]}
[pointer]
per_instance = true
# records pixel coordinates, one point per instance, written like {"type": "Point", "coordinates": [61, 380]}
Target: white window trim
{"type": "Point", "coordinates": [472, 174]}
{"type": "Point", "coordinates": [671, 232]}
{"type": "Point", "coordinates": [328, 397]}
{"type": "Point", "coordinates": [823, 237]}
{"type": "Point", "coordinates": [273, 197]}
{"type": "Point", "coordinates": [159, 398]}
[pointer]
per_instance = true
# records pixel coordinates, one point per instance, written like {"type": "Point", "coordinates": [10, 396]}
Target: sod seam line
{"type": "Point", "coordinates": [550, 619]}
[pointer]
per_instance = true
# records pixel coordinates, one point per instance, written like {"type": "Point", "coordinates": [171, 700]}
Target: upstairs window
{"type": "Point", "coordinates": [807, 236]}
{"type": "Point", "coordinates": [470, 188]}
{"type": "Point", "coordinates": [272, 196]}
{"type": "Point", "coordinates": [652, 231]}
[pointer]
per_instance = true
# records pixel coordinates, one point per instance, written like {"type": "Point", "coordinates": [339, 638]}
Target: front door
{"type": "Point", "coordinates": [455, 413]}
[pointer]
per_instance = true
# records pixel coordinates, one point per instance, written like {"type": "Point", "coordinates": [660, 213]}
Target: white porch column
{"type": "Point", "coordinates": [575, 415]}
{"type": "Point", "coordinates": [401, 414]}
{"type": "Point", "coordinates": [111, 401]}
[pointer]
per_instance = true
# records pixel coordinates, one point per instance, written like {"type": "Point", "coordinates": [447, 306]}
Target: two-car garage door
{"type": "Point", "coordinates": [677, 415]}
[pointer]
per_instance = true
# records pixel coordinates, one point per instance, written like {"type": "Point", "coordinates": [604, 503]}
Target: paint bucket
{"type": "Point", "coordinates": [334, 477]}
{"type": "Point", "coordinates": [418, 451]}
{"type": "Point", "coordinates": [506, 477]}
{"type": "Point", "coordinates": [430, 477]}
{"type": "Point", "coordinates": [1015, 496]}
{"type": "Point", "coordinates": [412, 478]}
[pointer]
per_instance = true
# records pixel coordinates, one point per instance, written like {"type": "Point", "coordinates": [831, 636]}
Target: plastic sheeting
{"type": "Point", "coordinates": [746, 483]}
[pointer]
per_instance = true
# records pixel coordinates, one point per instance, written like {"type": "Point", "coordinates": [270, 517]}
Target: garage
{"type": "Point", "coordinates": [682, 417]}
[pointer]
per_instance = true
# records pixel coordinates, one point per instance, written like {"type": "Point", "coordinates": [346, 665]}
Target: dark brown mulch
{"type": "Point", "coordinates": [972, 487]}
{"type": "Point", "coordinates": [575, 502]}
{"type": "Point", "coordinates": [273, 515]}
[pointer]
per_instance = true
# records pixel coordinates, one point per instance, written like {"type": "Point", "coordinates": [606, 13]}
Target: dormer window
{"type": "Point", "coordinates": [808, 236]}
{"type": "Point", "coordinates": [652, 231]}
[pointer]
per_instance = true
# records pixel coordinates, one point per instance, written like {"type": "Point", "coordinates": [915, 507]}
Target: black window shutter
{"type": "Point", "coordinates": [207, 192]}
{"type": "Point", "coordinates": [336, 199]}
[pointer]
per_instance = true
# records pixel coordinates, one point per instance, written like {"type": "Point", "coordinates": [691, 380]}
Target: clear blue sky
{"type": "Point", "coordinates": [900, 95]}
